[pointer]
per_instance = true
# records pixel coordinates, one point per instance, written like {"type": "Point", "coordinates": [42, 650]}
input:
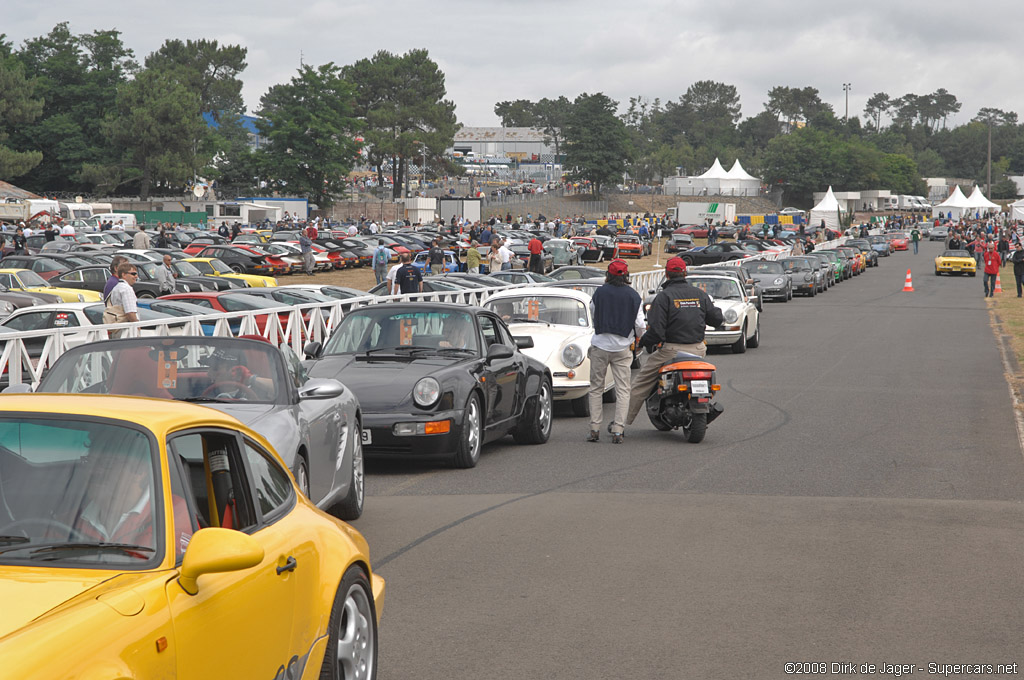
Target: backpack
{"type": "Point", "coordinates": [380, 258]}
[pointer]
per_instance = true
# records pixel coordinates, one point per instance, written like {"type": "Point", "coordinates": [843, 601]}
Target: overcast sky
{"type": "Point", "coordinates": [492, 50]}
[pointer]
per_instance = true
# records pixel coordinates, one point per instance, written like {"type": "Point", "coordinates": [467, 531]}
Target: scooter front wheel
{"type": "Point", "coordinates": [697, 429]}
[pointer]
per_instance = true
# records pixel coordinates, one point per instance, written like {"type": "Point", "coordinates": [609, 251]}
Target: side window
{"type": "Point", "coordinates": [505, 335]}
{"type": "Point", "coordinates": [95, 275]}
{"type": "Point", "coordinates": [72, 277]}
{"type": "Point", "coordinates": [272, 484]}
{"type": "Point", "coordinates": [215, 479]}
{"type": "Point", "coordinates": [296, 371]}
{"type": "Point", "coordinates": [489, 328]}
{"type": "Point", "coordinates": [32, 321]}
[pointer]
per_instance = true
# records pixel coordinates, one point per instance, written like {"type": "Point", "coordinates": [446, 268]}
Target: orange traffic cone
{"type": "Point", "coordinates": [908, 287]}
{"type": "Point", "coordinates": [999, 285]}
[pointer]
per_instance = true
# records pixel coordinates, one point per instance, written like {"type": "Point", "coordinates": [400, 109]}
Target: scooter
{"type": "Point", "coordinates": [683, 397]}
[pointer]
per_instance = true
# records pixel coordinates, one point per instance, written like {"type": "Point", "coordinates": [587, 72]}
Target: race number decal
{"type": "Point", "coordinates": [405, 332]}
{"type": "Point", "coordinates": [167, 365]}
{"type": "Point", "coordinates": [533, 310]}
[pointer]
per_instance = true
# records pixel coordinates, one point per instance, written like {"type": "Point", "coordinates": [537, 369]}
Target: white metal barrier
{"type": "Point", "coordinates": [293, 325]}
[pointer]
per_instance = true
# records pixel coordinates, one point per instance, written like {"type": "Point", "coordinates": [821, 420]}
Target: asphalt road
{"type": "Point", "coordinates": [858, 502]}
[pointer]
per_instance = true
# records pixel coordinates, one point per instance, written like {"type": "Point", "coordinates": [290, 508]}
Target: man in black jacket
{"type": "Point", "coordinates": [675, 323]}
{"type": "Point", "coordinates": [1017, 258]}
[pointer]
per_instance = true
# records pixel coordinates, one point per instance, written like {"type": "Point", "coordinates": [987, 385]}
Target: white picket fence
{"type": "Point", "coordinates": [294, 326]}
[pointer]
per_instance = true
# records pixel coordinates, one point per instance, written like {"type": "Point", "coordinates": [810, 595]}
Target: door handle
{"type": "Point", "coordinates": [289, 565]}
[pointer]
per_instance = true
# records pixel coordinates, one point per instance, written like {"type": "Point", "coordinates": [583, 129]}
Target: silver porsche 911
{"type": "Point", "coordinates": [312, 423]}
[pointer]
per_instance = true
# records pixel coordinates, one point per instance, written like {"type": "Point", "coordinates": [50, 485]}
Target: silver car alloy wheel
{"type": "Point", "coordinates": [355, 636]}
{"type": "Point", "coordinates": [302, 477]}
{"type": "Point", "coordinates": [544, 410]}
{"type": "Point", "coordinates": [473, 423]}
{"type": "Point", "coordinates": [358, 473]}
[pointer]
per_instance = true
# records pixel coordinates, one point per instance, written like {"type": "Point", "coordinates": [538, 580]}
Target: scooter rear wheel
{"type": "Point", "coordinates": [698, 428]}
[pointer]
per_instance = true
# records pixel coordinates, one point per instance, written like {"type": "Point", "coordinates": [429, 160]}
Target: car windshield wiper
{"type": "Point", "coordinates": [12, 540]}
{"type": "Point", "coordinates": [461, 350]}
{"type": "Point", "coordinates": [213, 400]}
{"type": "Point", "coordinates": [54, 550]}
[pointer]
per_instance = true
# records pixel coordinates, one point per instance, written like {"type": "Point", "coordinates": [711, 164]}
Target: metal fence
{"type": "Point", "coordinates": [295, 325]}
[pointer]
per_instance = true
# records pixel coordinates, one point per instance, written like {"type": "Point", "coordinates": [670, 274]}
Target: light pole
{"type": "Point", "coordinates": [846, 89]}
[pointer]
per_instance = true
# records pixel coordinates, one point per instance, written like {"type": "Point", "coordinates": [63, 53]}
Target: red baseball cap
{"type": "Point", "coordinates": [618, 268]}
{"type": "Point", "coordinates": [676, 264]}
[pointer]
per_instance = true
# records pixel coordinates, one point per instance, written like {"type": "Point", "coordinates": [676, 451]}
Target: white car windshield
{"type": "Point", "coordinates": [563, 311]}
{"type": "Point", "coordinates": [720, 289]}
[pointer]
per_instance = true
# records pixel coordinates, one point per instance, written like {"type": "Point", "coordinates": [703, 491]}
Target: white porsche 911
{"type": "Point", "coordinates": [742, 327]}
{"type": "Point", "coordinates": [560, 323]}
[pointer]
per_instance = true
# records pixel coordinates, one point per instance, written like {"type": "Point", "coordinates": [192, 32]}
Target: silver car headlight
{"type": "Point", "coordinates": [731, 316]}
{"type": "Point", "coordinates": [572, 356]}
{"type": "Point", "coordinates": [188, 289]}
{"type": "Point", "coordinates": [426, 392]}
{"type": "Point", "coordinates": [808, 277]}
{"type": "Point", "coordinates": [779, 281]}
{"type": "Point", "coordinates": [6, 308]}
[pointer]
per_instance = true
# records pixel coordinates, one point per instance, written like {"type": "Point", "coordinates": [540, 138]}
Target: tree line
{"type": "Point", "coordinates": [79, 114]}
{"type": "Point", "coordinates": [796, 143]}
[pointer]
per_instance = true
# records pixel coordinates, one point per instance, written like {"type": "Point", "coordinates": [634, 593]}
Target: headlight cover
{"type": "Point", "coordinates": [81, 298]}
{"type": "Point", "coordinates": [426, 392]}
{"type": "Point", "coordinates": [779, 281]}
{"type": "Point", "coordinates": [572, 356]}
{"type": "Point", "coordinates": [731, 316]}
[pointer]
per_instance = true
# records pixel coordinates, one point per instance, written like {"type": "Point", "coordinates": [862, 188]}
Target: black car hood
{"type": "Point", "coordinates": [382, 384]}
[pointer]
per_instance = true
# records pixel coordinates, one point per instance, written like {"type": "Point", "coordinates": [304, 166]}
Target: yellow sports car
{"type": "Point", "coordinates": [211, 266]}
{"type": "Point", "coordinates": [144, 538]}
{"type": "Point", "coordinates": [955, 262]}
{"type": "Point", "coordinates": [30, 282]}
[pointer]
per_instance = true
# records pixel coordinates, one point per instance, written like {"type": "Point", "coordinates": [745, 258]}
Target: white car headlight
{"type": "Point", "coordinates": [426, 392]}
{"type": "Point", "coordinates": [6, 308]}
{"type": "Point", "coordinates": [779, 281]}
{"type": "Point", "coordinates": [808, 277]}
{"type": "Point", "coordinates": [572, 356]}
{"type": "Point", "coordinates": [188, 289]}
{"type": "Point", "coordinates": [731, 316]}
{"type": "Point", "coordinates": [81, 298]}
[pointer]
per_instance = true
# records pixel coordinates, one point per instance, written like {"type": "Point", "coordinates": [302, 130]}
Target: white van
{"type": "Point", "coordinates": [127, 219]}
{"type": "Point", "coordinates": [75, 211]}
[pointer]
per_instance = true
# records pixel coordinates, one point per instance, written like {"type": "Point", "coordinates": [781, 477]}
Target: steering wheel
{"type": "Point", "coordinates": [45, 522]}
{"type": "Point", "coordinates": [219, 387]}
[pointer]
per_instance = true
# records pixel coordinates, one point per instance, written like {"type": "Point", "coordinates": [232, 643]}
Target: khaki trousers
{"type": "Point", "coordinates": [619, 362]}
{"type": "Point", "coordinates": [648, 375]}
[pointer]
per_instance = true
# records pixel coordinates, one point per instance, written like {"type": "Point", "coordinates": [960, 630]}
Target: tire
{"type": "Point", "coordinates": [535, 424]}
{"type": "Point", "coordinates": [740, 346]}
{"type": "Point", "coordinates": [147, 296]}
{"type": "Point", "coordinates": [467, 454]}
{"type": "Point", "coordinates": [973, 274]}
{"type": "Point", "coordinates": [937, 273]}
{"type": "Point", "coordinates": [351, 506]}
{"type": "Point", "coordinates": [237, 268]}
{"type": "Point", "coordinates": [658, 423]}
{"type": "Point", "coordinates": [755, 342]}
{"type": "Point", "coordinates": [581, 406]}
{"type": "Point", "coordinates": [302, 475]}
{"type": "Point", "coordinates": [351, 631]}
{"type": "Point", "coordinates": [688, 260]}
{"type": "Point", "coordinates": [698, 428]}
{"type": "Point", "coordinates": [608, 397]}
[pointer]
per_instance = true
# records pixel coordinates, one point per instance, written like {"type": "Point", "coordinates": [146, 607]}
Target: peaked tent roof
{"type": "Point", "coordinates": [955, 200]}
{"type": "Point", "coordinates": [828, 202]}
{"type": "Point", "coordinates": [978, 200]}
{"type": "Point", "coordinates": [715, 172]}
{"type": "Point", "coordinates": [737, 172]}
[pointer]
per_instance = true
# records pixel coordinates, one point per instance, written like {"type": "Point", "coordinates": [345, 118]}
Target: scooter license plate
{"type": "Point", "coordinates": [699, 387]}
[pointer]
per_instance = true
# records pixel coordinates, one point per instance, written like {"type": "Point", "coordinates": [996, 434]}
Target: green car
{"type": "Point", "coordinates": [839, 262]}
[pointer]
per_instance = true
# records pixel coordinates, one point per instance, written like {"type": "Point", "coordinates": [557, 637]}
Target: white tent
{"type": "Point", "coordinates": [956, 205]}
{"type": "Point", "coordinates": [743, 183]}
{"type": "Point", "coordinates": [978, 200]}
{"type": "Point", "coordinates": [1017, 210]}
{"type": "Point", "coordinates": [714, 178]}
{"type": "Point", "coordinates": [716, 171]}
{"type": "Point", "coordinates": [828, 209]}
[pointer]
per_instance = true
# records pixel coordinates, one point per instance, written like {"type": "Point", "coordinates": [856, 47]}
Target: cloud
{"type": "Point", "coordinates": [508, 49]}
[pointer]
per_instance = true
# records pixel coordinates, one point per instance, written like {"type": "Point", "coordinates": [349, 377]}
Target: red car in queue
{"type": "Point", "coordinates": [247, 259]}
{"type": "Point", "coordinates": [234, 301]}
{"type": "Point", "coordinates": [900, 242]}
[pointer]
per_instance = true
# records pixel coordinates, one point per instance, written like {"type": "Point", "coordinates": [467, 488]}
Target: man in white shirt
{"type": "Point", "coordinates": [67, 230]}
{"type": "Point", "coordinates": [141, 239]}
{"type": "Point", "coordinates": [352, 230]}
{"type": "Point", "coordinates": [392, 278]}
{"type": "Point", "coordinates": [506, 256]}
